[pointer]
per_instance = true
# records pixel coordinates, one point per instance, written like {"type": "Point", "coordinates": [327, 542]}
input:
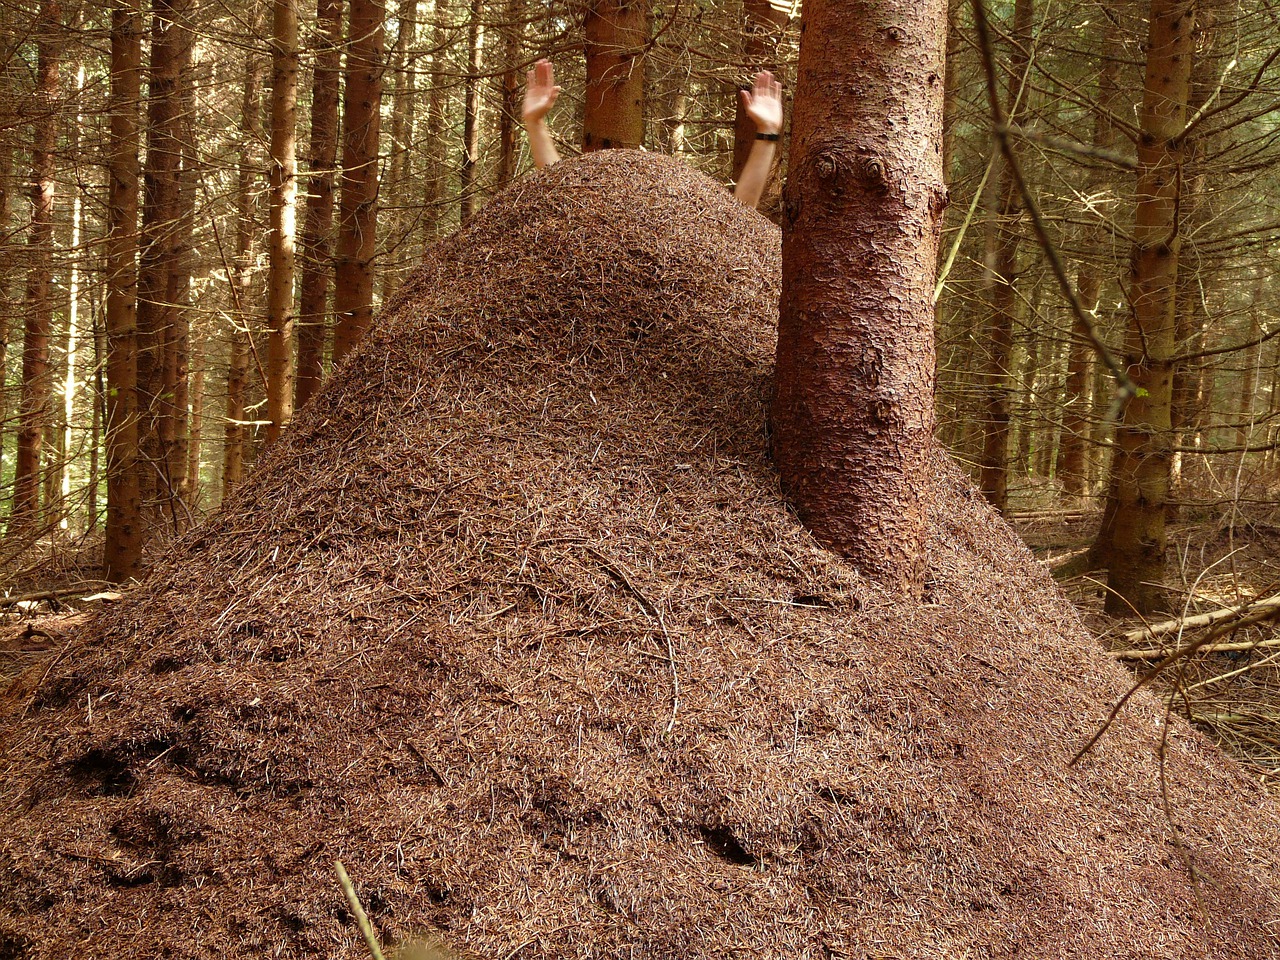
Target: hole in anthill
{"type": "Point", "coordinates": [103, 774]}
{"type": "Point", "coordinates": [726, 846]}
{"type": "Point", "coordinates": [811, 600]}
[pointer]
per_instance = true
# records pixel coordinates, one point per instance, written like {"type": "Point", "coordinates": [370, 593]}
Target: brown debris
{"type": "Point", "coordinates": [516, 624]}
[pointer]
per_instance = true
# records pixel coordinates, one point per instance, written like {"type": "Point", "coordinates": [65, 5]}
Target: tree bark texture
{"type": "Point", "coordinates": [512, 89]}
{"type": "Point", "coordinates": [317, 244]}
{"type": "Point", "coordinates": [434, 176]}
{"type": "Point", "coordinates": [283, 199]}
{"type": "Point", "coordinates": [400, 220]}
{"type": "Point", "coordinates": [1140, 467]}
{"type": "Point", "coordinates": [357, 218]}
{"type": "Point", "coordinates": [853, 412]}
{"type": "Point", "coordinates": [613, 110]}
{"type": "Point", "coordinates": [467, 178]}
{"type": "Point", "coordinates": [37, 375]}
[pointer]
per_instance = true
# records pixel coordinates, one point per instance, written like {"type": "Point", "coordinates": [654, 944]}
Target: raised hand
{"type": "Point", "coordinates": [763, 103]}
{"type": "Point", "coordinates": [540, 91]}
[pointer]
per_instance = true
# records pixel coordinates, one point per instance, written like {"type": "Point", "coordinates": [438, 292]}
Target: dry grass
{"type": "Point", "coordinates": [516, 624]}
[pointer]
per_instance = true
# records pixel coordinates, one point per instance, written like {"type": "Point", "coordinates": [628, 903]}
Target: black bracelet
{"type": "Point", "coordinates": [771, 137]}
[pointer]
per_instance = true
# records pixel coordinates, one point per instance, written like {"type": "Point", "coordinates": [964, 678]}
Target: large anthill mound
{"type": "Point", "coordinates": [516, 623]}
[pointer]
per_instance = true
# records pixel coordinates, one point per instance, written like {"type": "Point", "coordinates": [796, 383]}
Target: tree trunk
{"type": "Point", "coordinates": [1140, 467]}
{"type": "Point", "coordinates": [33, 409]}
{"type": "Point", "coordinates": [357, 218]}
{"type": "Point", "coordinates": [397, 221]}
{"type": "Point", "coordinates": [613, 110]}
{"type": "Point", "coordinates": [433, 177]}
{"type": "Point", "coordinates": [509, 118]}
{"type": "Point", "coordinates": [170, 57]}
{"type": "Point", "coordinates": [236, 432]}
{"type": "Point", "coordinates": [122, 551]}
{"type": "Point", "coordinates": [998, 385]}
{"type": "Point", "coordinates": [71, 379]}
{"type": "Point", "coordinates": [853, 412]}
{"type": "Point", "coordinates": [763, 26]}
{"type": "Point", "coordinates": [471, 115]}
{"type": "Point", "coordinates": [283, 193]}
{"type": "Point", "coordinates": [317, 245]}
{"type": "Point", "coordinates": [196, 433]}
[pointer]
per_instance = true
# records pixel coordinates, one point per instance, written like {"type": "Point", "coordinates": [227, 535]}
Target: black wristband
{"type": "Point", "coordinates": [771, 137]}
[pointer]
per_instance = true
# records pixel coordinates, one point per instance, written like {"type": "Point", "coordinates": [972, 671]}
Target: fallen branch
{"type": "Point", "coordinates": [1267, 606]}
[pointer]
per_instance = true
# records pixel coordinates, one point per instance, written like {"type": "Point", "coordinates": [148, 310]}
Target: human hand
{"type": "Point", "coordinates": [540, 91]}
{"type": "Point", "coordinates": [763, 103]}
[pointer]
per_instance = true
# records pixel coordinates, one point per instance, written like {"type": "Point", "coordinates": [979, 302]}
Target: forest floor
{"type": "Point", "coordinates": [1217, 559]}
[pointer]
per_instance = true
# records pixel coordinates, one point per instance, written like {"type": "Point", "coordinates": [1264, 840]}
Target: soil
{"type": "Point", "coordinates": [516, 624]}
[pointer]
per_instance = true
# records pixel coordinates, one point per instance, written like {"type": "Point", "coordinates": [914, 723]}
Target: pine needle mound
{"type": "Point", "coordinates": [516, 623]}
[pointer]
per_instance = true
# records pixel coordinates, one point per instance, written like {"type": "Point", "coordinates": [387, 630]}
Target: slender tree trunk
{"type": "Point", "coordinates": [236, 432]}
{"type": "Point", "coordinates": [1247, 409]}
{"type": "Point", "coordinates": [71, 379]}
{"type": "Point", "coordinates": [763, 27]}
{"type": "Point", "coordinates": [99, 402]}
{"type": "Point", "coordinates": [1140, 467]}
{"type": "Point", "coordinates": [998, 381]}
{"type": "Point", "coordinates": [170, 58]}
{"type": "Point", "coordinates": [433, 177]}
{"type": "Point", "coordinates": [283, 193]}
{"type": "Point", "coordinates": [357, 220]}
{"type": "Point", "coordinates": [509, 118]}
{"type": "Point", "coordinates": [33, 410]}
{"type": "Point", "coordinates": [196, 434]}
{"type": "Point", "coordinates": [471, 116]}
{"type": "Point", "coordinates": [317, 244]}
{"type": "Point", "coordinates": [122, 552]}
{"type": "Point", "coordinates": [397, 220]}
{"type": "Point", "coordinates": [613, 110]}
{"type": "Point", "coordinates": [7, 306]}
{"type": "Point", "coordinates": [853, 413]}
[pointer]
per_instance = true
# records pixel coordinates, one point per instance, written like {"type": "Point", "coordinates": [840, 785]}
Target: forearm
{"type": "Point", "coordinates": [540, 143]}
{"type": "Point", "coordinates": [755, 173]}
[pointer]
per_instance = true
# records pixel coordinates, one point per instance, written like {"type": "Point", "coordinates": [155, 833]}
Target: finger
{"type": "Point", "coordinates": [745, 97]}
{"type": "Point", "coordinates": [546, 73]}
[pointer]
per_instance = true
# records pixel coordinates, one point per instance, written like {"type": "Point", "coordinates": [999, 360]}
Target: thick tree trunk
{"type": "Point", "coordinates": [283, 198]}
{"type": "Point", "coordinates": [613, 110]}
{"type": "Point", "coordinates": [1140, 468]}
{"type": "Point", "coordinates": [37, 384]}
{"type": "Point", "coordinates": [471, 115]}
{"type": "Point", "coordinates": [853, 413]}
{"type": "Point", "coordinates": [357, 218]}
{"type": "Point", "coordinates": [762, 29]}
{"type": "Point", "coordinates": [317, 244]}
{"type": "Point", "coordinates": [122, 552]}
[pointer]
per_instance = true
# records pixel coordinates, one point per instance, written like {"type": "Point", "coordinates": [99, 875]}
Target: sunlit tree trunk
{"type": "Point", "coordinates": [196, 432]}
{"type": "Point", "coordinates": [471, 115]}
{"type": "Point", "coordinates": [283, 167]}
{"type": "Point", "coordinates": [853, 412]}
{"type": "Point", "coordinates": [33, 409]}
{"type": "Point", "coordinates": [122, 552]}
{"type": "Point", "coordinates": [71, 375]}
{"type": "Point", "coordinates": [433, 176]}
{"type": "Point", "coordinates": [357, 219]}
{"type": "Point", "coordinates": [398, 219]}
{"type": "Point", "coordinates": [613, 110]}
{"type": "Point", "coordinates": [317, 243]}
{"type": "Point", "coordinates": [1140, 467]}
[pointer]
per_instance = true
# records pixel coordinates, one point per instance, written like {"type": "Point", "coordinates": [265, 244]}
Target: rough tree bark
{"type": "Point", "coordinates": [853, 413]}
{"type": "Point", "coordinates": [283, 198]}
{"type": "Point", "coordinates": [357, 218]}
{"type": "Point", "coordinates": [434, 175]}
{"type": "Point", "coordinates": [509, 118]}
{"type": "Point", "coordinates": [1140, 467]}
{"type": "Point", "coordinates": [37, 383]}
{"type": "Point", "coordinates": [317, 244]}
{"type": "Point", "coordinates": [613, 109]}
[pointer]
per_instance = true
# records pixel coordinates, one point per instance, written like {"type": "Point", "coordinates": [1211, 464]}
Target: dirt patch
{"type": "Point", "coordinates": [516, 623]}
